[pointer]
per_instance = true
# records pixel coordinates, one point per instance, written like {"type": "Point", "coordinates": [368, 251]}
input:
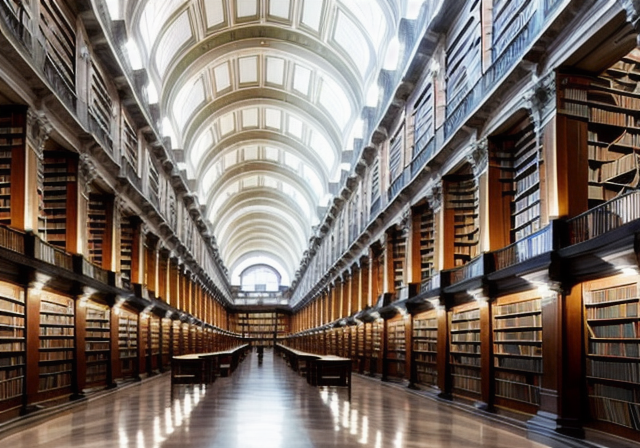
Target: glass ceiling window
{"type": "Point", "coordinates": [354, 43]}
{"type": "Point", "coordinates": [154, 16]}
{"type": "Point", "coordinates": [260, 278]}
{"type": "Point", "coordinates": [172, 40]}
{"type": "Point", "coordinates": [371, 17]}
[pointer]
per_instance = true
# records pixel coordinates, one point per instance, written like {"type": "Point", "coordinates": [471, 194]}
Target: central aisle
{"type": "Point", "coordinates": [264, 405]}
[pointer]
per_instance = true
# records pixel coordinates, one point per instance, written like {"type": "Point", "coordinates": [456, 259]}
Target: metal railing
{"type": "Point", "coordinates": [604, 218]}
{"type": "Point", "coordinates": [52, 255]}
{"type": "Point", "coordinates": [430, 284]}
{"type": "Point", "coordinates": [473, 269]}
{"type": "Point", "coordinates": [12, 239]}
{"type": "Point", "coordinates": [533, 245]}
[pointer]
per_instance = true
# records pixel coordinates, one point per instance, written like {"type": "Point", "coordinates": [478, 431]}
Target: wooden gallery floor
{"type": "Point", "coordinates": [265, 405]}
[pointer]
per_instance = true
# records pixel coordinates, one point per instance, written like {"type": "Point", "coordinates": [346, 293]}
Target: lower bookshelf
{"type": "Point", "coordinates": [57, 343]}
{"type": "Point", "coordinates": [465, 350]}
{"type": "Point", "coordinates": [12, 345]}
{"type": "Point", "coordinates": [97, 343]}
{"type": "Point", "coordinates": [128, 343]}
{"type": "Point", "coordinates": [611, 310]}
{"type": "Point", "coordinates": [425, 347]}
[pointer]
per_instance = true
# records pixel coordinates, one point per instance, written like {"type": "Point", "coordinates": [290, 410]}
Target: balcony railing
{"type": "Point", "coordinates": [422, 156]}
{"type": "Point", "coordinates": [430, 284]}
{"type": "Point", "coordinates": [457, 113]}
{"type": "Point", "coordinates": [17, 22]}
{"type": "Point", "coordinates": [397, 185]}
{"type": "Point", "coordinates": [604, 218]}
{"type": "Point", "coordinates": [475, 268]}
{"type": "Point", "coordinates": [52, 255]}
{"type": "Point", "coordinates": [12, 239]}
{"type": "Point", "coordinates": [530, 247]}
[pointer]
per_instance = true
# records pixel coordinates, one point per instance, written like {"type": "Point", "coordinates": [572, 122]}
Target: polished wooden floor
{"type": "Point", "coordinates": [266, 405]}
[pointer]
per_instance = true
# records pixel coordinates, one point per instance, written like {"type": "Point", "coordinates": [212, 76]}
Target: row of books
{"type": "Point", "coordinates": [466, 337]}
{"type": "Point", "coordinates": [124, 354]}
{"type": "Point", "coordinates": [613, 311]}
{"type": "Point", "coordinates": [11, 346]}
{"type": "Point", "coordinates": [527, 182]}
{"type": "Point", "coordinates": [8, 374]}
{"type": "Point", "coordinates": [11, 361]}
{"type": "Point", "coordinates": [624, 349]}
{"type": "Point", "coordinates": [11, 388]}
{"type": "Point", "coordinates": [465, 348]}
{"type": "Point", "coordinates": [428, 334]}
{"type": "Point", "coordinates": [521, 218]}
{"type": "Point", "coordinates": [612, 294]}
{"type": "Point", "coordinates": [518, 349]}
{"type": "Point", "coordinates": [524, 364]}
{"type": "Point", "coordinates": [57, 308]}
{"type": "Point", "coordinates": [425, 358]}
{"type": "Point", "coordinates": [618, 412]}
{"type": "Point", "coordinates": [602, 154]}
{"type": "Point", "coordinates": [96, 373]}
{"type": "Point", "coordinates": [529, 335]}
{"type": "Point", "coordinates": [463, 360]}
{"type": "Point", "coordinates": [466, 383]}
{"type": "Point", "coordinates": [616, 168]}
{"type": "Point", "coordinates": [620, 119]}
{"type": "Point", "coordinates": [530, 320]}
{"type": "Point", "coordinates": [466, 315]}
{"type": "Point", "coordinates": [527, 201]}
{"type": "Point", "coordinates": [56, 319]}
{"type": "Point", "coordinates": [97, 356]}
{"type": "Point", "coordinates": [97, 345]}
{"type": "Point", "coordinates": [57, 343]}
{"type": "Point", "coordinates": [625, 330]}
{"type": "Point", "coordinates": [615, 392]}
{"type": "Point", "coordinates": [46, 369]}
{"type": "Point", "coordinates": [54, 381]}
{"type": "Point", "coordinates": [11, 332]}
{"type": "Point", "coordinates": [517, 391]}
{"type": "Point", "coordinates": [59, 355]}
{"type": "Point", "coordinates": [620, 371]}
{"type": "Point", "coordinates": [12, 307]}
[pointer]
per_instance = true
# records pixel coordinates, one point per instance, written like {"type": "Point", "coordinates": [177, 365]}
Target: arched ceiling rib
{"type": "Point", "coordinates": [262, 96]}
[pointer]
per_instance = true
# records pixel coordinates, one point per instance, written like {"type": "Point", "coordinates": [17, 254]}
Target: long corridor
{"type": "Point", "coordinates": [265, 405]}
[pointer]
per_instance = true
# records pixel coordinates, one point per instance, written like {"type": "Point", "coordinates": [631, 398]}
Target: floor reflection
{"type": "Point", "coordinates": [265, 405]}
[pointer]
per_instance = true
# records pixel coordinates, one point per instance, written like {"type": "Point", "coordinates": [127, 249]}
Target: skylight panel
{"type": "Point", "coordinates": [301, 79]}
{"type": "Point", "coordinates": [271, 153]}
{"type": "Point", "coordinates": [348, 36]}
{"type": "Point", "coordinates": [334, 99]}
{"type": "Point", "coordinates": [250, 152]}
{"type": "Point", "coordinates": [189, 98]}
{"type": "Point", "coordinates": [178, 33]}
{"type": "Point", "coordinates": [230, 159]}
{"type": "Point", "coordinates": [295, 127]}
{"type": "Point", "coordinates": [371, 17]}
{"type": "Point", "coordinates": [273, 118]}
{"type": "Point", "coordinates": [312, 13]}
{"type": "Point", "coordinates": [275, 71]}
{"type": "Point", "coordinates": [292, 161]}
{"type": "Point", "coordinates": [153, 17]}
{"type": "Point", "coordinates": [322, 147]}
{"type": "Point", "coordinates": [250, 118]}
{"type": "Point", "coordinates": [250, 182]}
{"type": "Point", "coordinates": [246, 8]}
{"type": "Point", "coordinates": [214, 10]}
{"type": "Point", "coordinates": [204, 142]}
{"type": "Point", "coordinates": [279, 8]}
{"type": "Point", "coordinates": [222, 77]}
{"type": "Point", "coordinates": [248, 68]}
{"type": "Point", "coordinates": [227, 124]}
{"type": "Point", "coordinates": [313, 180]}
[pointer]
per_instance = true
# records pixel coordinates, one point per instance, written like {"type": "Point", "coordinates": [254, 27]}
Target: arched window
{"type": "Point", "coordinates": [260, 277]}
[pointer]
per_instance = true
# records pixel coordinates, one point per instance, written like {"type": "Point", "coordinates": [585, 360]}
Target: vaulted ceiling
{"type": "Point", "coordinates": [264, 97]}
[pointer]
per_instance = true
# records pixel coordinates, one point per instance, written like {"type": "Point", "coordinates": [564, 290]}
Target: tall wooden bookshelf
{"type": "Point", "coordinates": [12, 346]}
{"type": "Point", "coordinates": [427, 242]}
{"type": "Point", "coordinates": [611, 310]}
{"type": "Point", "coordinates": [609, 103]}
{"type": "Point", "coordinates": [57, 344]}
{"type": "Point", "coordinates": [377, 331]}
{"type": "Point", "coordinates": [464, 350]}
{"type": "Point", "coordinates": [59, 172]}
{"type": "Point", "coordinates": [425, 347]}
{"type": "Point", "coordinates": [517, 352]}
{"type": "Point", "coordinates": [184, 339]}
{"type": "Point", "coordinates": [127, 229]}
{"type": "Point", "coordinates": [12, 142]}
{"type": "Point", "coordinates": [97, 343]}
{"type": "Point", "coordinates": [399, 258]}
{"type": "Point", "coordinates": [165, 345]}
{"type": "Point", "coordinates": [462, 214]}
{"type": "Point", "coordinates": [128, 343]}
{"type": "Point", "coordinates": [97, 228]}
{"type": "Point", "coordinates": [396, 348]}
{"type": "Point", "coordinates": [154, 342]}
{"type": "Point", "coordinates": [176, 338]}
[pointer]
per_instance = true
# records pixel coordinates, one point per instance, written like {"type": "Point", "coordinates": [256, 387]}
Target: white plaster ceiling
{"type": "Point", "coordinates": [262, 96]}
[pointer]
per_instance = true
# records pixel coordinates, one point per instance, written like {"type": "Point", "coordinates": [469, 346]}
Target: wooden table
{"type": "Point", "coordinates": [202, 368]}
{"type": "Point", "coordinates": [320, 370]}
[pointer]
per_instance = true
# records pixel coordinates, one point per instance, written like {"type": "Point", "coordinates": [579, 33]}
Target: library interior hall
{"type": "Point", "coordinates": [320, 223]}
